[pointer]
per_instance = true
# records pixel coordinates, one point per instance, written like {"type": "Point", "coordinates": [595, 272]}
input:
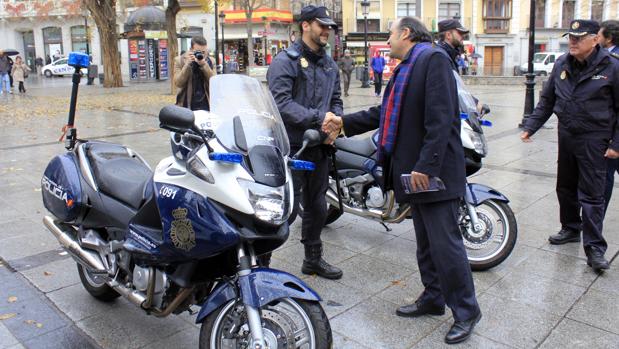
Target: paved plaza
{"type": "Point", "coordinates": [542, 296]}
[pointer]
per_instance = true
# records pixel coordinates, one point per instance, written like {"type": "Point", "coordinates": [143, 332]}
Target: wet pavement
{"type": "Point", "coordinates": [541, 296]}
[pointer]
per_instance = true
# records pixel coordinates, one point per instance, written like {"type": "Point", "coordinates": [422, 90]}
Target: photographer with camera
{"type": "Point", "coordinates": [192, 72]}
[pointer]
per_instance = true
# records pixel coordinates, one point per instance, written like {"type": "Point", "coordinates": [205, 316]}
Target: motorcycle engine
{"type": "Point", "coordinates": [375, 198]}
{"type": "Point", "coordinates": [140, 282]}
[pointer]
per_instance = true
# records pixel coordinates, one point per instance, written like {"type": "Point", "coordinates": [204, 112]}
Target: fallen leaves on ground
{"type": "Point", "coordinates": [12, 299]}
{"type": "Point", "coordinates": [7, 316]}
{"type": "Point", "coordinates": [47, 273]}
{"type": "Point", "coordinates": [32, 322]}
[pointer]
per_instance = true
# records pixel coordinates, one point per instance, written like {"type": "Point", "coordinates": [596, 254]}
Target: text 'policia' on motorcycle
{"type": "Point", "coordinates": [189, 232]}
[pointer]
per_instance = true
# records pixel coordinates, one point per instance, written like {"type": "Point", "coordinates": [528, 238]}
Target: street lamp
{"type": "Point", "coordinates": [366, 76]}
{"type": "Point", "coordinates": [216, 37]}
{"type": "Point", "coordinates": [529, 98]}
{"type": "Point", "coordinates": [85, 14]}
{"type": "Point", "coordinates": [264, 59]}
{"type": "Point", "coordinates": [222, 17]}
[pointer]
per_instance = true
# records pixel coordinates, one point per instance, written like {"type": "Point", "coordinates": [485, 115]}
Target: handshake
{"type": "Point", "coordinates": [332, 126]}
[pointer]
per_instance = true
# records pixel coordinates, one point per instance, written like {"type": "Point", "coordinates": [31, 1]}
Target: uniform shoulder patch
{"type": "Point", "coordinates": [292, 52]}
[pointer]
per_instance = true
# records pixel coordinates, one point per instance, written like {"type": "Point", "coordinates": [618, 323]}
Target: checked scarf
{"type": "Point", "coordinates": [392, 102]}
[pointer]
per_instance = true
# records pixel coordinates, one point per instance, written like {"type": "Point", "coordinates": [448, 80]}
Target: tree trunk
{"type": "Point", "coordinates": [250, 40]}
{"type": "Point", "coordinates": [170, 17]}
{"type": "Point", "coordinates": [104, 14]}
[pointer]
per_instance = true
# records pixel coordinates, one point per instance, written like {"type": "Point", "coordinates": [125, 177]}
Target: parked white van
{"type": "Point", "coordinates": [543, 62]}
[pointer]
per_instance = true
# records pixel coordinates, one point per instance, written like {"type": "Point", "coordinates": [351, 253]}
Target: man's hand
{"type": "Point", "coordinates": [525, 137]}
{"type": "Point", "coordinates": [331, 137]}
{"type": "Point", "coordinates": [332, 124]}
{"type": "Point", "coordinates": [611, 154]}
{"type": "Point", "coordinates": [420, 181]}
{"type": "Point", "coordinates": [192, 58]}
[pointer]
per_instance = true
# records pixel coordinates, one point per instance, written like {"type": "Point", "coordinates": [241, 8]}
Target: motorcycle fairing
{"type": "Point", "coordinates": [61, 188]}
{"type": "Point", "coordinates": [258, 288]}
{"type": "Point", "coordinates": [192, 228]}
{"type": "Point", "coordinates": [478, 193]}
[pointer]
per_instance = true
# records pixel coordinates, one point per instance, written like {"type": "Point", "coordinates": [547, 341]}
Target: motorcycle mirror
{"type": "Point", "coordinates": [311, 138]}
{"type": "Point", "coordinates": [485, 109]}
{"type": "Point", "coordinates": [176, 119]}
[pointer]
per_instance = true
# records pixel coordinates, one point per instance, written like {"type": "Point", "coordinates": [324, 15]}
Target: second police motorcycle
{"type": "Point", "coordinates": [487, 223]}
{"type": "Point", "coordinates": [189, 232]}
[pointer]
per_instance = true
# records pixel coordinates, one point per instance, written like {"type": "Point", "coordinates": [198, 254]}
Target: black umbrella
{"type": "Point", "coordinates": [10, 51]}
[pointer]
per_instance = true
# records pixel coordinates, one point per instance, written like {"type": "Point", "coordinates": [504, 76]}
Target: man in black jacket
{"type": "Point", "coordinates": [583, 91]}
{"type": "Point", "coordinates": [451, 36]}
{"type": "Point", "coordinates": [426, 144]}
{"type": "Point", "coordinates": [305, 84]}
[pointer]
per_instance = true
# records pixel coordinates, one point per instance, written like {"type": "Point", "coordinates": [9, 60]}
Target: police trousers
{"type": "Point", "coordinates": [581, 182]}
{"type": "Point", "coordinates": [310, 189]}
{"type": "Point", "coordinates": [443, 263]}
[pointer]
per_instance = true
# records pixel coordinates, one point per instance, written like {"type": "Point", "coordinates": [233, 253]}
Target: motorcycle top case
{"type": "Point", "coordinates": [61, 188]}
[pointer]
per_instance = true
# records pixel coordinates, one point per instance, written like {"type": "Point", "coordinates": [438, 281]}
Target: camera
{"type": "Point", "coordinates": [199, 55]}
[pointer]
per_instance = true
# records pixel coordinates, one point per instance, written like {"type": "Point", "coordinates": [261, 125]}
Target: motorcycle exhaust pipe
{"type": "Point", "coordinates": [63, 233]}
{"type": "Point", "coordinates": [372, 214]}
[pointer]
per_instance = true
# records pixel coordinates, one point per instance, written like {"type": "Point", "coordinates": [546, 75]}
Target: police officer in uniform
{"type": "Point", "coordinates": [609, 40]}
{"type": "Point", "coordinates": [583, 91]}
{"type": "Point", "coordinates": [305, 84]}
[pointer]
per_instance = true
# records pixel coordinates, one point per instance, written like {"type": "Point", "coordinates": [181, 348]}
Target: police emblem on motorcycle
{"type": "Point", "coordinates": [182, 233]}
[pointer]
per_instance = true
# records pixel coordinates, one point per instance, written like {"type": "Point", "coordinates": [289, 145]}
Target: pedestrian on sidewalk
{"type": "Point", "coordinates": [5, 72]}
{"type": "Point", "coordinates": [20, 73]}
{"type": "Point", "coordinates": [583, 91]}
{"type": "Point", "coordinates": [378, 66]}
{"type": "Point", "coordinates": [38, 64]}
{"type": "Point", "coordinates": [347, 65]}
{"type": "Point", "coordinates": [419, 135]}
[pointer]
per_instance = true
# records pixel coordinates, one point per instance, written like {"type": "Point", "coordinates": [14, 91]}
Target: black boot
{"type": "Point", "coordinates": [314, 264]}
{"type": "Point", "coordinates": [564, 236]}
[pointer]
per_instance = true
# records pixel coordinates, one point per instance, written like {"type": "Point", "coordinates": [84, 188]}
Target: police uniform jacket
{"type": "Point", "coordinates": [585, 103]}
{"type": "Point", "coordinates": [305, 87]}
{"type": "Point", "coordinates": [428, 137]}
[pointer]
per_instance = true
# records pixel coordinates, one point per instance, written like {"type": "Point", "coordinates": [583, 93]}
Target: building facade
{"type": "Point", "coordinates": [499, 28]}
{"type": "Point", "coordinates": [42, 28]}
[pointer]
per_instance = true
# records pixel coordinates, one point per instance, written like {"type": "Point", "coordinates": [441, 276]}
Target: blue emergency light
{"type": "Point", "coordinates": [301, 165]}
{"type": "Point", "coordinates": [234, 158]}
{"type": "Point", "coordinates": [79, 60]}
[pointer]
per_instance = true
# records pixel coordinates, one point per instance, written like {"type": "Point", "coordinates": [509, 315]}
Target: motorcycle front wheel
{"type": "Point", "coordinates": [495, 239]}
{"type": "Point", "coordinates": [287, 323]}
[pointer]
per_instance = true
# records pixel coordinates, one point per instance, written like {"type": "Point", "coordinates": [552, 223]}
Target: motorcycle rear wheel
{"type": "Point", "coordinates": [496, 241]}
{"type": "Point", "coordinates": [227, 327]}
{"type": "Point", "coordinates": [98, 289]}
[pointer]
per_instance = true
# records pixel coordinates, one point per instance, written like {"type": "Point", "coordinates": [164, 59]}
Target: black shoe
{"type": "Point", "coordinates": [462, 330]}
{"type": "Point", "coordinates": [418, 309]}
{"type": "Point", "coordinates": [564, 236]}
{"type": "Point", "coordinates": [596, 261]}
{"type": "Point", "coordinates": [314, 264]}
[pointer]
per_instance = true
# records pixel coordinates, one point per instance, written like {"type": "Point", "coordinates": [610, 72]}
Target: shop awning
{"type": "Point", "coordinates": [258, 16]}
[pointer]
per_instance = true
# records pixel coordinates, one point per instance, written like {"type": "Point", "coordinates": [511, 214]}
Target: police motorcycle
{"type": "Point", "coordinates": [188, 233]}
{"type": "Point", "coordinates": [487, 223]}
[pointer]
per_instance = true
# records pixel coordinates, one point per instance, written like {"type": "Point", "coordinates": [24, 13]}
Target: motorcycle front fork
{"type": "Point", "coordinates": [254, 319]}
{"type": "Point", "coordinates": [472, 212]}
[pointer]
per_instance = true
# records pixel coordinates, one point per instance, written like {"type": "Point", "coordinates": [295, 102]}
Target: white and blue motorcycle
{"type": "Point", "coordinates": [189, 232]}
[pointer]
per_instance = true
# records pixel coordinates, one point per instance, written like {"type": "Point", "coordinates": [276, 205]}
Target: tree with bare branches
{"type": "Point", "coordinates": [104, 14]}
{"type": "Point", "coordinates": [249, 6]}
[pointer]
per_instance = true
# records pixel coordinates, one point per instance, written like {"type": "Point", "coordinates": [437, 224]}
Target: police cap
{"type": "Point", "coordinates": [318, 13]}
{"type": "Point", "coordinates": [582, 27]}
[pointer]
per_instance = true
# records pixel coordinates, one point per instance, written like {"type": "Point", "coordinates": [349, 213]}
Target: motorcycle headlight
{"type": "Point", "coordinates": [196, 167]}
{"type": "Point", "coordinates": [479, 141]}
{"type": "Point", "coordinates": [270, 203]}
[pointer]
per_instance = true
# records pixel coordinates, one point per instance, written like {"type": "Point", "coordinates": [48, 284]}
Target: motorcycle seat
{"type": "Point", "coordinates": [119, 174]}
{"type": "Point", "coordinates": [361, 146]}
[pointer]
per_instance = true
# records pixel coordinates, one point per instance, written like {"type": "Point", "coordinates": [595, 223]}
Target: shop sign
{"type": "Point", "coordinates": [155, 34]}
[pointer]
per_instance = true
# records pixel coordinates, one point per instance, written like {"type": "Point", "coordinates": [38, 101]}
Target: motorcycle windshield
{"type": "Point", "coordinates": [467, 103]}
{"type": "Point", "coordinates": [246, 114]}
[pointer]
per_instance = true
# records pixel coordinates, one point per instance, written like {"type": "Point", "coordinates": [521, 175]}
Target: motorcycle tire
{"type": "Point", "coordinates": [333, 213]}
{"type": "Point", "coordinates": [310, 311]}
{"type": "Point", "coordinates": [100, 291]}
{"type": "Point", "coordinates": [510, 229]}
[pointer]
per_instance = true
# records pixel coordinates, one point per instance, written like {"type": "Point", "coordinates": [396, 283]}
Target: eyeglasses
{"type": "Point", "coordinates": [575, 38]}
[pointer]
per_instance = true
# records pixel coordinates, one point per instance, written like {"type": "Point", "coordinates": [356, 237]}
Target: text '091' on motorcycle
{"type": "Point", "coordinates": [189, 232]}
{"type": "Point", "coordinates": [486, 221]}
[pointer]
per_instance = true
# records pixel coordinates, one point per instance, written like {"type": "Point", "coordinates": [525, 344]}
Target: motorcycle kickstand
{"type": "Point", "coordinates": [385, 226]}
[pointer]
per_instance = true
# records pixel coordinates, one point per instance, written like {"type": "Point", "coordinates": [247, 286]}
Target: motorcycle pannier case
{"type": "Point", "coordinates": [61, 189]}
